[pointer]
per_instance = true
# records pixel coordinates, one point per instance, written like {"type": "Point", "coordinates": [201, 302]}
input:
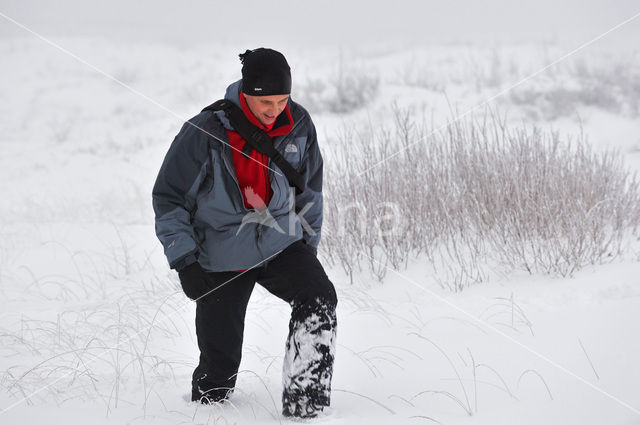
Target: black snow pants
{"type": "Point", "coordinates": [296, 276]}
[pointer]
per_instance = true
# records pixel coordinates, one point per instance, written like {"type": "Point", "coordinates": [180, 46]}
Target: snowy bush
{"type": "Point", "coordinates": [423, 74]}
{"type": "Point", "coordinates": [612, 86]}
{"type": "Point", "coordinates": [442, 70]}
{"type": "Point", "coordinates": [475, 197]}
{"type": "Point", "coordinates": [347, 90]}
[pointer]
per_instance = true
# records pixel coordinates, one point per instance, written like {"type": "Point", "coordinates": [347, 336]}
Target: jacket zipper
{"type": "Point", "coordinates": [235, 179]}
{"type": "Point", "coordinates": [233, 176]}
{"type": "Point", "coordinates": [269, 162]}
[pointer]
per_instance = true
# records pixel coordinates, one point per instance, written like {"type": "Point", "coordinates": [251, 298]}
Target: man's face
{"type": "Point", "coordinates": [267, 108]}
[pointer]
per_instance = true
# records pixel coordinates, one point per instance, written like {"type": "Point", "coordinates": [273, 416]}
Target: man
{"type": "Point", "coordinates": [228, 218]}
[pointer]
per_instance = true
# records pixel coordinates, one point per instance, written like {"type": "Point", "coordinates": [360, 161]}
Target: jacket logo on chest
{"type": "Point", "coordinates": [291, 148]}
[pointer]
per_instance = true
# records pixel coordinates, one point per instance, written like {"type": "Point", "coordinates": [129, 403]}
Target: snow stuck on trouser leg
{"type": "Point", "coordinates": [308, 360]}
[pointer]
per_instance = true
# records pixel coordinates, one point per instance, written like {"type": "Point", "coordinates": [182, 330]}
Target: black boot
{"type": "Point", "coordinates": [214, 395]}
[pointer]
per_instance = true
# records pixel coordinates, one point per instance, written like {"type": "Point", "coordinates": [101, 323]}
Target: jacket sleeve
{"type": "Point", "coordinates": [174, 194]}
{"type": "Point", "coordinates": [309, 203]}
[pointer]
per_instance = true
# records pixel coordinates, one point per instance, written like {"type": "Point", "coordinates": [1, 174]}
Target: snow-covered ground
{"type": "Point", "coordinates": [94, 327]}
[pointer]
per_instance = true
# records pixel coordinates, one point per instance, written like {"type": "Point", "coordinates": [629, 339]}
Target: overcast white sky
{"type": "Point", "coordinates": [328, 21]}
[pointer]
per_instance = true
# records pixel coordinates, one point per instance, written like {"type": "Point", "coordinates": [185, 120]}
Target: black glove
{"type": "Point", "coordinates": [194, 281]}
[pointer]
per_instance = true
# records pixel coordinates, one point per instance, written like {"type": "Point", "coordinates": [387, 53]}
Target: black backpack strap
{"type": "Point", "coordinates": [257, 139]}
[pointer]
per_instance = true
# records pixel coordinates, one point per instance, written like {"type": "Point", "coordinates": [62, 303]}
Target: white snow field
{"type": "Point", "coordinates": [94, 327]}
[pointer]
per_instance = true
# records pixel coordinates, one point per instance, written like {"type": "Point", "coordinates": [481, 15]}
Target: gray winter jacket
{"type": "Point", "coordinates": [199, 210]}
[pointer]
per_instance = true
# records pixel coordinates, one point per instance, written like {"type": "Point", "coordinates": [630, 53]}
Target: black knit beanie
{"type": "Point", "coordinates": [265, 72]}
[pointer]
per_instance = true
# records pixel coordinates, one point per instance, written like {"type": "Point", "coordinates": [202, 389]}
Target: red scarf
{"type": "Point", "coordinates": [252, 173]}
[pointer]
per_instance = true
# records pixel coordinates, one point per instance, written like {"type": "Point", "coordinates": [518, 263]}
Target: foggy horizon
{"type": "Point", "coordinates": [334, 23]}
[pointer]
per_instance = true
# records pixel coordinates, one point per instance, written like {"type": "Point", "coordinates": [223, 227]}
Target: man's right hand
{"type": "Point", "coordinates": [194, 281]}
